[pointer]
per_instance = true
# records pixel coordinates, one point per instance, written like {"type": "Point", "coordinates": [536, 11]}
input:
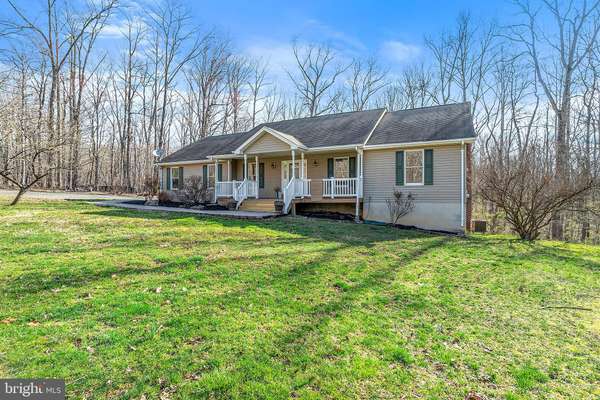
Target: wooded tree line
{"type": "Point", "coordinates": [76, 113]}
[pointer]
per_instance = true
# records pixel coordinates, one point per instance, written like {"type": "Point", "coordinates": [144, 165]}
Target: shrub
{"type": "Point", "coordinates": [165, 198]}
{"type": "Point", "coordinates": [150, 187]}
{"type": "Point", "coordinates": [399, 205]}
{"type": "Point", "coordinates": [194, 191]}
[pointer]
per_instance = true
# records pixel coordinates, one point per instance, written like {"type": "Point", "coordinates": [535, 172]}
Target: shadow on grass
{"type": "Point", "coordinates": [293, 342]}
{"type": "Point", "coordinates": [32, 283]}
{"type": "Point", "coordinates": [523, 251]}
{"type": "Point", "coordinates": [330, 230]}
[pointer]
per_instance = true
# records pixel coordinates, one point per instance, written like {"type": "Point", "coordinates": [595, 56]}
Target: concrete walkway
{"type": "Point", "coordinates": [220, 213]}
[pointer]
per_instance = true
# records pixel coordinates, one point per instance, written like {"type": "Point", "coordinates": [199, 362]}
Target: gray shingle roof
{"type": "Point", "coordinates": [450, 121]}
{"type": "Point", "coordinates": [329, 130]}
{"type": "Point", "coordinates": [211, 145]}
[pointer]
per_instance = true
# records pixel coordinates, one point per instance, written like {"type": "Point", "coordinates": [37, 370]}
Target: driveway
{"type": "Point", "coordinates": [48, 195]}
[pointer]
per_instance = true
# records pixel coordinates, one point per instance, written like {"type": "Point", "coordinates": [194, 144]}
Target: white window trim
{"type": "Point", "coordinates": [341, 158]}
{"type": "Point", "coordinates": [422, 183]}
{"type": "Point", "coordinates": [210, 167]}
{"type": "Point", "coordinates": [171, 177]}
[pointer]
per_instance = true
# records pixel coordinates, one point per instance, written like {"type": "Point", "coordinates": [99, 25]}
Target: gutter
{"type": "Point", "coordinates": [175, 163]}
{"type": "Point", "coordinates": [418, 144]}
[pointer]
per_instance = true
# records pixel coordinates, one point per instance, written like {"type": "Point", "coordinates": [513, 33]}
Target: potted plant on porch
{"type": "Point", "coordinates": [278, 200]}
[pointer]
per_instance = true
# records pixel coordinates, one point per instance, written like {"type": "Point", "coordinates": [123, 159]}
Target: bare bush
{"type": "Point", "coordinates": [151, 187]}
{"type": "Point", "coordinates": [527, 188]}
{"type": "Point", "coordinates": [400, 205]}
{"type": "Point", "coordinates": [165, 198]}
{"type": "Point", "coordinates": [194, 191]}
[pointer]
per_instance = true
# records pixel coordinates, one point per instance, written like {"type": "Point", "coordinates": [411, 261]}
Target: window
{"type": "Point", "coordinates": [211, 175]}
{"type": "Point", "coordinates": [413, 167]}
{"type": "Point", "coordinates": [342, 167]}
{"type": "Point", "coordinates": [175, 178]}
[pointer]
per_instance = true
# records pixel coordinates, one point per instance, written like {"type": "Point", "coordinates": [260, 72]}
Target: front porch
{"type": "Point", "coordinates": [272, 164]}
{"type": "Point", "coordinates": [323, 177]}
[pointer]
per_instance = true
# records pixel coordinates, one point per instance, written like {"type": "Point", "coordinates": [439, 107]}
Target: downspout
{"type": "Point", "coordinates": [359, 182]}
{"type": "Point", "coordinates": [462, 184]}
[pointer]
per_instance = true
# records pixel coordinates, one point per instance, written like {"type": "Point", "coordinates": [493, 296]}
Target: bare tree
{"type": "Point", "coordinates": [367, 79]}
{"type": "Point", "coordinates": [316, 75]}
{"type": "Point", "coordinates": [256, 83]}
{"type": "Point", "coordinates": [238, 71]}
{"type": "Point", "coordinates": [577, 26]}
{"type": "Point", "coordinates": [526, 189]}
{"type": "Point", "coordinates": [57, 47]}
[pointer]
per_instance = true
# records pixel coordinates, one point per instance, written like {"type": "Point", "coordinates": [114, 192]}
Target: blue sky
{"type": "Point", "coordinates": [393, 30]}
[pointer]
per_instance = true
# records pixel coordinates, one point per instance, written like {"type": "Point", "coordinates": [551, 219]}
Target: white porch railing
{"type": "Point", "coordinates": [252, 188]}
{"type": "Point", "coordinates": [296, 187]}
{"type": "Point", "coordinates": [239, 192]}
{"type": "Point", "coordinates": [225, 189]}
{"type": "Point", "coordinates": [301, 187]}
{"type": "Point", "coordinates": [242, 190]}
{"type": "Point", "coordinates": [342, 187]}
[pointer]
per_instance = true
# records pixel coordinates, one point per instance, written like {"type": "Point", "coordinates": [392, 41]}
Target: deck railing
{"type": "Point", "coordinates": [301, 187]}
{"type": "Point", "coordinates": [296, 187]}
{"type": "Point", "coordinates": [242, 190]}
{"type": "Point", "coordinates": [342, 187]}
{"type": "Point", "coordinates": [225, 189]}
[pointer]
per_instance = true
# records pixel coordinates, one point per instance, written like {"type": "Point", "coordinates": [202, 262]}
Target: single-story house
{"type": "Point", "coordinates": [349, 162]}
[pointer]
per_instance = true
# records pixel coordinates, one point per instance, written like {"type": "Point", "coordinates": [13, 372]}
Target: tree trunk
{"type": "Point", "coordinates": [20, 193]}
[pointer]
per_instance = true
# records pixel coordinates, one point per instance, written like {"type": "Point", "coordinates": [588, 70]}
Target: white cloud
{"type": "Point", "coordinates": [399, 52]}
{"type": "Point", "coordinates": [278, 54]}
{"type": "Point", "coordinates": [314, 29]}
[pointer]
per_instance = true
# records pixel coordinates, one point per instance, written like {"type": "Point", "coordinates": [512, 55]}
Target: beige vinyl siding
{"type": "Point", "coordinates": [380, 176]}
{"type": "Point", "coordinates": [194, 170]}
{"type": "Point", "coordinates": [267, 144]}
{"type": "Point", "coordinates": [437, 206]}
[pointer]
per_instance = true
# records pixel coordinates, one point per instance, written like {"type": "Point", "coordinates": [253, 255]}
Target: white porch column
{"type": "Point", "coordinates": [229, 170]}
{"type": "Point", "coordinates": [216, 177]}
{"type": "Point", "coordinates": [357, 188]}
{"type": "Point", "coordinates": [302, 166]}
{"type": "Point", "coordinates": [256, 173]}
{"type": "Point", "coordinates": [293, 164]}
{"type": "Point", "coordinates": [245, 166]}
{"type": "Point", "coordinates": [161, 184]}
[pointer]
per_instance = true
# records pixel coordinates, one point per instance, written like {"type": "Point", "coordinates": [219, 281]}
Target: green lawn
{"type": "Point", "coordinates": [126, 304]}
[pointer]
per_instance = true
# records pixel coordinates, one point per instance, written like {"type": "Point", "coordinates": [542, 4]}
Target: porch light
{"type": "Point", "coordinates": [273, 165]}
{"type": "Point", "coordinates": [315, 163]}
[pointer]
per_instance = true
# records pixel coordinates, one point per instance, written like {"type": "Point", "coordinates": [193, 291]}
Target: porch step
{"type": "Point", "coordinates": [263, 205]}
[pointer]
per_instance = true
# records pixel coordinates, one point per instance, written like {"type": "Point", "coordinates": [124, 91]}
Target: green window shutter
{"type": "Point", "coordinates": [180, 178]}
{"type": "Point", "coordinates": [220, 172]}
{"type": "Point", "coordinates": [261, 175]}
{"type": "Point", "coordinates": [428, 167]}
{"type": "Point", "coordinates": [205, 175]}
{"type": "Point", "coordinates": [352, 167]}
{"type": "Point", "coordinates": [169, 178]}
{"type": "Point", "coordinates": [400, 168]}
{"type": "Point", "coordinates": [330, 167]}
